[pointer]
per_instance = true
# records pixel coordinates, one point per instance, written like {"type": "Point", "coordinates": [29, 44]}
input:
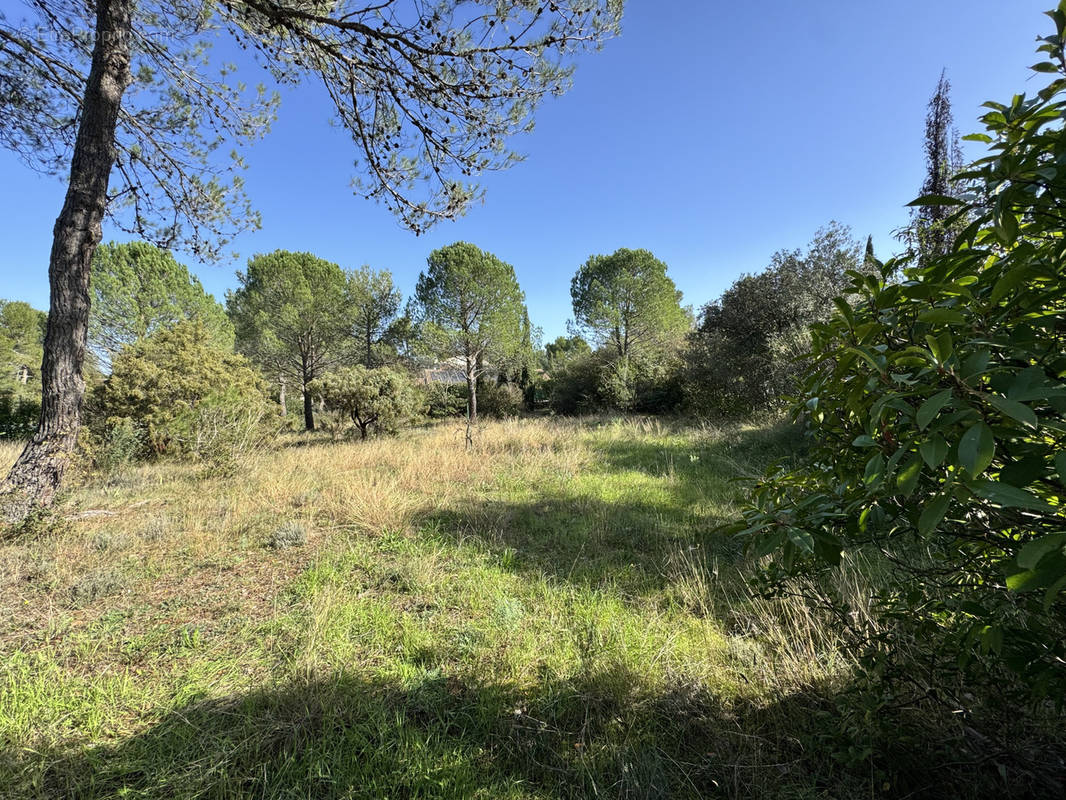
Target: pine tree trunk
{"type": "Point", "coordinates": [309, 408]}
{"type": "Point", "coordinates": [38, 473]}
{"type": "Point", "coordinates": [471, 408]}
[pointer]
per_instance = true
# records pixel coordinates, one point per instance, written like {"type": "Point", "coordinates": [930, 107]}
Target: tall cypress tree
{"type": "Point", "coordinates": [931, 233]}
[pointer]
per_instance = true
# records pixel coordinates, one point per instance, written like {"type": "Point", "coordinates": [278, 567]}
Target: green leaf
{"type": "Point", "coordinates": [803, 540]}
{"type": "Point", "coordinates": [1024, 581]}
{"type": "Point", "coordinates": [931, 407]}
{"type": "Point", "coordinates": [942, 315]}
{"type": "Point", "coordinates": [933, 451]}
{"type": "Point", "coordinates": [875, 469]}
{"type": "Point", "coordinates": [908, 476]}
{"type": "Point", "coordinates": [1013, 409]}
{"type": "Point", "coordinates": [1060, 465]}
{"type": "Point", "coordinates": [977, 448]}
{"type": "Point", "coordinates": [1008, 282]}
{"type": "Point", "coordinates": [1030, 555]}
{"type": "Point", "coordinates": [933, 514]}
{"type": "Point", "coordinates": [1008, 496]}
{"type": "Point", "coordinates": [936, 200]}
{"type": "Point", "coordinates": [827, 548]}
{"type": "Point", "coordinates": [1023, 472]}
{"type": "Point", "coordinates": [1053, 592]}
{"type": "Point", "coordinates": [1006, 228]}
{"type": "Point", "coordinates": [845, 310]}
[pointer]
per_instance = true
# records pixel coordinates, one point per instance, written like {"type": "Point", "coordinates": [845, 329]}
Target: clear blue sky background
{"type": "Point", "coordinates": [710, 133]}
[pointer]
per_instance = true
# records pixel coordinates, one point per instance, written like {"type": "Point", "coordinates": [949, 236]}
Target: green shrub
{"type": "Point", "coordinates": [937, 408]}
{"type": "Point", "coordinates": [499, 400]}
{"type": "Point", "coordinates": [225, 426]}
{"type": "Point", "coordinates": [575, 386]}
{"type": "Point", "coordinates": [159, 383]}
{"type": "Point", "coordinates": [746, 353]}
{"type": "Point", "coordinates": [591, 382]}
{"type": "Point", "coordinates": [381, 400]}
{"type": "Point", "coordinates": [122, 445]}
{"type": "Point", "coordinates": [18, 417]}
{"type": "Point", "coordinates": [443, 400]}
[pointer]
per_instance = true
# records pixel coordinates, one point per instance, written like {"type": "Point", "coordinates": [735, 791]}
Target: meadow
{"type": "Point", "coordinates": [548, 614]}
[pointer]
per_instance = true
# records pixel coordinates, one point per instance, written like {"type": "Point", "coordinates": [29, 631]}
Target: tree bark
{"type": "Point", "coordinates": [471, 408]}
{"type": "Point", "coordinates": [309, 408]}
{"type": "Point", "coordinates": [37, 475]}
{"type": "Point", "coordinates": [281, 397]}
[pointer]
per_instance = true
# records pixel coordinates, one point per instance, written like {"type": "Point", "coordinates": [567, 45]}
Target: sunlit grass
{"type": "Point", "coordinates": [550, 613]}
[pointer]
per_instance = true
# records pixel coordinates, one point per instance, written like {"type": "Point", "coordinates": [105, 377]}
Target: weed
{"type": "Point", "coordinates": [291, 534]}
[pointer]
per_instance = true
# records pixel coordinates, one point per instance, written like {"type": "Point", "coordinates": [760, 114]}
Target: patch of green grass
{"type": "Point", "coordinates": [550, 615]}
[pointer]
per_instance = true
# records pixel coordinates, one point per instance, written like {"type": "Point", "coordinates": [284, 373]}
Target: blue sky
{"type": "Point", "coordinates": [710, 133]}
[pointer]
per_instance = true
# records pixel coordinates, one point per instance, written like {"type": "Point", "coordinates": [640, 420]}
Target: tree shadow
{"type": "Point", "coordinates": [629, 537]}
{"type": "Point", "coordinates": [604, 734]}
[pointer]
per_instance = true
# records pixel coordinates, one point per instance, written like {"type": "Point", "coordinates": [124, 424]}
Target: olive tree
{"type": "Point", "coordinates": [473, 313]}
{"type": "Point", "coordinates": [123, 100]}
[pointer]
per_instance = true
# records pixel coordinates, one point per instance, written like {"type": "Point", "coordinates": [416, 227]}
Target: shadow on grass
{"type": "Point", "coordinates": [627, 536]}
{"type": "Point", "coordinates": [436, 736]}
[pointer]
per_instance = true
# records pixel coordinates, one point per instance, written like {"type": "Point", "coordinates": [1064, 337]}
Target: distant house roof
{"type": "Point", "coordinates": [443, 374]}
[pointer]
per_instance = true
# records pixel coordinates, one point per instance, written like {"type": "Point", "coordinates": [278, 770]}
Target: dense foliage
{"type": "Point", "coordinates": [169, 387]}
{"type": "Point", "coordinates": [374, 303]}
{"type": "Point", "coordinates": [746, 353]}
{"type": "Point", "coordinates": [628, 306]}
{"type": "Point", "coordinates": [21, 349]}
{"type": "Point", "coordinates": [937, 408]}
{"type": "Point", "coordinates": [379, 400]}
{"type": "Point", "coordinates": [137, 289]}
{"type": "Point", "coordinates": [292, 318]}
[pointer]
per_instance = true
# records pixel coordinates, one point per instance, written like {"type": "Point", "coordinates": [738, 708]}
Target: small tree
{"type": "Point", "coordinates": [472, 311]}
{"type": "Point", "coordinates": [291, 318]}
{"type": "Point", "coordinates": [156, 382]}
{"type": "Point", "coordinates": [138, 288]}
{"type": "Point", "coordinates": [374, 301]}
{"type": "Point", "coordinates": [626, 303]}
{"type": "Point", "coordinates": [381, 399]}
{"type": "Point", "coordinates": [21, 348]}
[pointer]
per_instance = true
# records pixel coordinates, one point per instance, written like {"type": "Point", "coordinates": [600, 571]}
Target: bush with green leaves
{"type": "Point", "coordinates": [500, 400]}
{"type": "Point", "coordinates": [379, 400]}
{"type": "Point", "coordinates": [937, 413]}
{"type": "Point", "coordinates": [172, 385]}
{"type": "Point", "coordinates": [18, 416]}
{"type": "Point", "coordinates": [746, 353]}
{"type": "Point", "coordinates": [443, 400]}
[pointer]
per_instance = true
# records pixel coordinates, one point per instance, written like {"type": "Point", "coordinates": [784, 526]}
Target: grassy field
{"type": "Point", "coordinates": [550, 614]}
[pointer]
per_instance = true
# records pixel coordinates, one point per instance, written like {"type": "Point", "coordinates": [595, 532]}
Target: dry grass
{"type": "Point", "coordinates": [9, 451]}
{"type": "Point", "coordinates": [548, 609]}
